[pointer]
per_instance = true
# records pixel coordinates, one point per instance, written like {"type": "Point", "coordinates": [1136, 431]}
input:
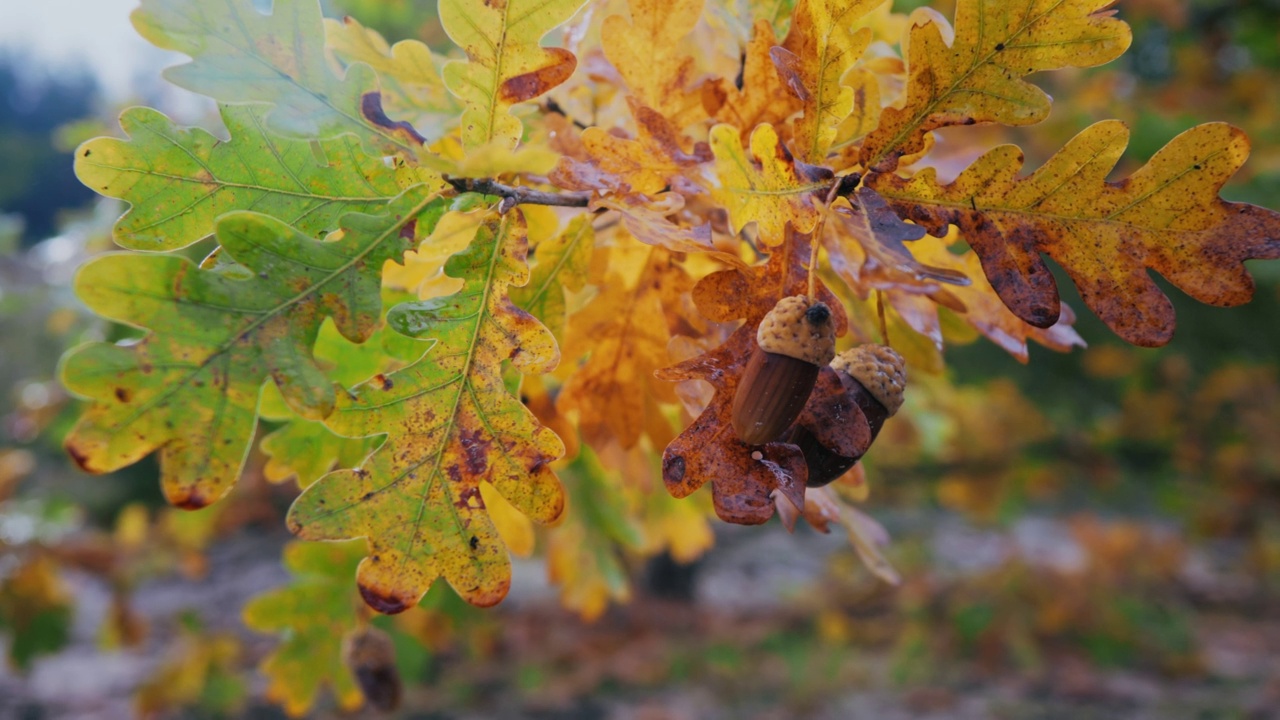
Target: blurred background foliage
{"type": "Point", "coordinates": [1099, 529]}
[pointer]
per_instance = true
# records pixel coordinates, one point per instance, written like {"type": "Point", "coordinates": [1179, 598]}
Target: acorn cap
{"type": "Point", "coordinates": [798, 328]}
{"type": "Point", "coordinates": [880, 370]}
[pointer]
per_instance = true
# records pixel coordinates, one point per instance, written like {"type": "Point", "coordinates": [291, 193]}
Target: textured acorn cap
{"type": "Point", "coordinates": [798, 328]}
{"type": "Point", "coordinates": [880, 370]}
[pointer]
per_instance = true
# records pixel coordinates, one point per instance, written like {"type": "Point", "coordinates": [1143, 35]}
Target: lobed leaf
{"type": "Point", "coordinates": [763, 96]}
{"type": "Point", "coordinates": [976, 76]}
{"type": "Point", "coordinates": [583, 551]}
{"type": "Point", "coordinates": [313, 613]}
{"type": "Point", "coordinates": [623, 335]}
{"type": "Point", "coordinates": [1167, 216]}
{"type": "Point", "coordinates": [505, 63]}
{"type": "Point", "coordinates": [408, 74]}
{"type": "Point", "coordinates": [190, 387]}
{"type": "Point", "coordinates": [240, 55]}
{"type": "Point", "coordinates": [645, 51]}
{"type": "Point", "coordinates": [767, 186]}
{"type": "Point", "coordinates": [562, 266]}
{"type": "Point", "coordinates": [646, 165]}
{"type": "Point", "coordinates": [179, 180]}
{"type": "Point", "coordinates": [451, 424]}
{"type": "Point", "coordinates": [825, 43]}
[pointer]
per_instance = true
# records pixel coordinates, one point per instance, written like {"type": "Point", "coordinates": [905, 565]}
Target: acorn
{"type": "Point", "coordinates": [370, 655]}
{"type": "Point", "coordinates": [793, 341]}
{"type": "Point", "coordinates": [874, 378]}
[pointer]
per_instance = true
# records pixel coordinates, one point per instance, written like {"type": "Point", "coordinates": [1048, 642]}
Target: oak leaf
{"type": "Point", "coordinates": [190, 387]}
{"type": "Point", "coordinates": [645, 51]}
{"type": "Point", "coordinates": [825, 41]}
{"type": "Point", "coordinates": [408, 74]}
{"type": "Point", "coordinates": [645, 165]}
{"type": "Point", "coordinates": [451, 424]}
{"type": "Point", "coordinates": [623, 335]}
{"type": "Point", "coordinates": [1167, 216]}
{"type": "Point", "coordinates": [179, 180]}
{"type": "Point", "coordinates": [762, 96]}
{"type": "Point", "coordinates": [766, 186]}
{"type": "Point", "coordinates": [313, 613]}
{"type": "Point", "coordinates": [505, 64]}
{"type": "Point", "coordinates": [240, 55]}
{"type": "Point", "coordinates": [974, 73]}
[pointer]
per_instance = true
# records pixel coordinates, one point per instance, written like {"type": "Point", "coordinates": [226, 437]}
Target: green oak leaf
{"type": "Point", "coordinates": [179, 180]}
{"type": "Point", "coordinates": [240, 55]}
{"type": "Point", "coordinates": [190, 388]}
{"type": "Point", "coordinates": [563, 263]}
{"type": "Point", "coordinates": [312, 613]}
{"type": "Point", "coordinates": [451, 424]}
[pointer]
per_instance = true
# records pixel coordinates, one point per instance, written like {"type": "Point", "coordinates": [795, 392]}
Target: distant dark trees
{"type": "Point", "coordinates": [36, 179]}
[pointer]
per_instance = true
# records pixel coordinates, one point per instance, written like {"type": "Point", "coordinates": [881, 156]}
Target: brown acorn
{"type": "Point", "coordinates": [794, 340]}
{"type": "Point", "coordinates": [874, 378]}
{"type": "Point", "coordinates": [371, 656]}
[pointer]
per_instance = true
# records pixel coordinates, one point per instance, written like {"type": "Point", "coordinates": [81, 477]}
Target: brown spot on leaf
{"type": "Point", "coordinates": [530, 85]}
{"type": "Point", "coordinates": [371, 108]}
{"type": "Point", "coordinates": [193, 499]}
{"type": "Point", "coordinates": [122, 394]}
{"type": "Point", "coordinates": [383, 603]}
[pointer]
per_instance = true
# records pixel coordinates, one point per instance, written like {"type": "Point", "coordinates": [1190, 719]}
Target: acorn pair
{"type": "Point", "coordinates": [795, 341]}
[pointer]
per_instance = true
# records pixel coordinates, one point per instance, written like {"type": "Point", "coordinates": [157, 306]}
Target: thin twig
{"type": "Point", "coordinates": [514, 195]}
{"type": "Point", "coordinates": [836, 184]}
{"type": "Point", "coordinates": [552, 106]}
{"type": "Point", "coordinates": [884, 326]}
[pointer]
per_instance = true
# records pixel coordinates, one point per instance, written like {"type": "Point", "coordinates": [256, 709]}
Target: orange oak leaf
{"type": "Point", "coordinates": [644, 165]}
{"type": "Point", "coordinates": [623, 334]}
{"type": "Point", "coordinates": [974, 73]}
{"type": "Point", "coordinates": [1167, 216]}
{"type": "Point", "coordinates": [743, 477]}
{"type": "Point", "coordinates": [760, 96]}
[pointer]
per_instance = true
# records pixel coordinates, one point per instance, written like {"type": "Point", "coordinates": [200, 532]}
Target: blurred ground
{"type": "Point", "coordinates": [745, 646]}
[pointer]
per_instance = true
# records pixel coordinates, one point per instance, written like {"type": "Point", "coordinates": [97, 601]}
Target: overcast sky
{"type": "Point", "coordinates": [95, 33]}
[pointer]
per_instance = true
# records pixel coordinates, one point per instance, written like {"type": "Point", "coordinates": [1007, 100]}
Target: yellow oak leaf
{"type": "Point", "coordinates": [826, 41]}
{"type": "Point", "coordinates": [505, 63]}
{"type": "Point", "coordinates": [408, 73]}
{"type": "Point", "coordinates": [646, 53]}
{"type": "Point", "coordinates": [451, 424]}
{"type": "Point", "coordinates": [977, 75]}
{"type": "Point", "coordinates": [1167, 216]}
{"type": "Point", "coordinates": [766, 186]}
